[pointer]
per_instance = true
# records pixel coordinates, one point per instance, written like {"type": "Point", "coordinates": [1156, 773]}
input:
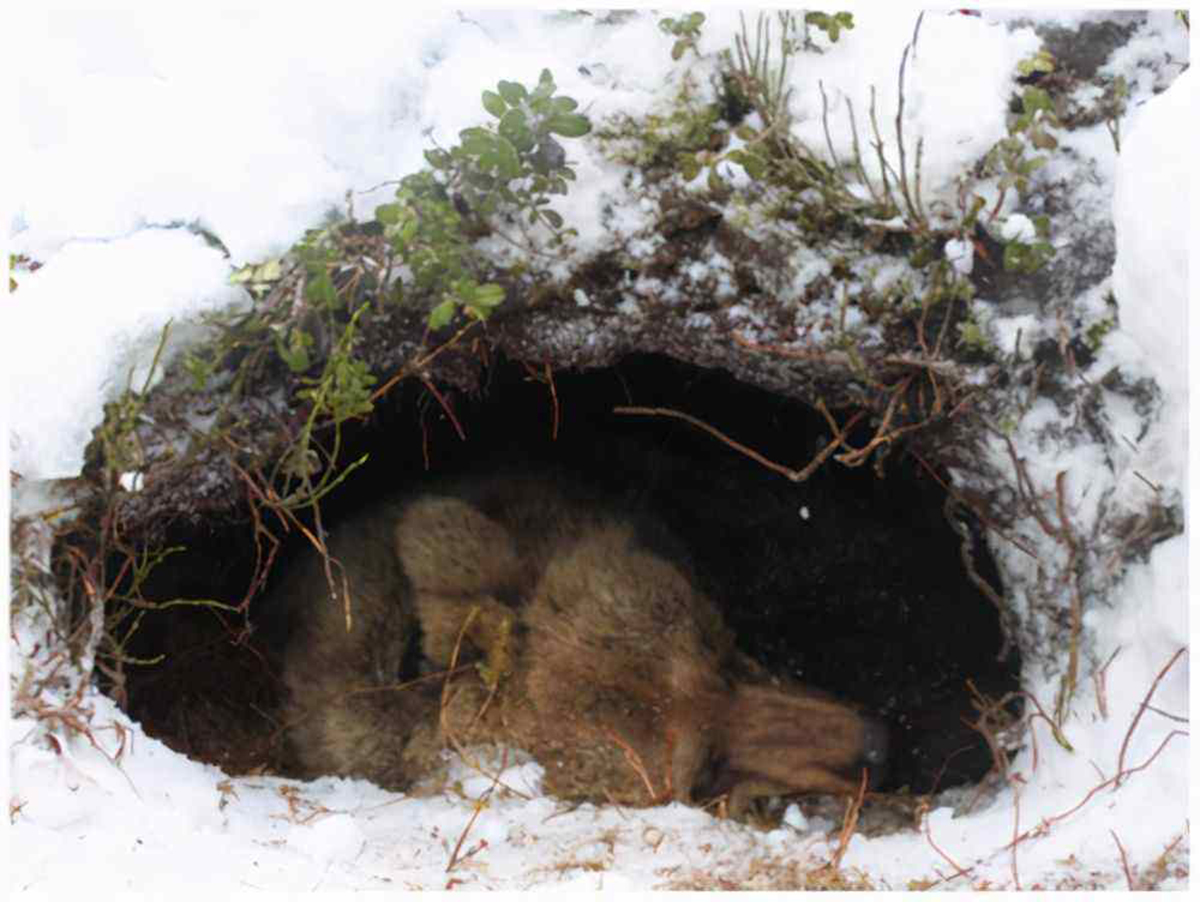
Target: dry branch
{"type": "Point", "coordinates": [849, 822]}
{"type": "Point", "coordinates": [1142, 710]}
{"type": "Point", "coordinates": [1124, 861]}
{"type": "Point", "coordinates": [794, 475]}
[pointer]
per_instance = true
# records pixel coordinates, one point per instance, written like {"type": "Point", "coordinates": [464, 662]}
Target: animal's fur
{"type": "Point", "coordinates": [599, 656]}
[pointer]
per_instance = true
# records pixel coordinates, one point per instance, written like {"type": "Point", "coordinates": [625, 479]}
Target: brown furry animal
{"type": "Point", "coordinates": [597, 654]}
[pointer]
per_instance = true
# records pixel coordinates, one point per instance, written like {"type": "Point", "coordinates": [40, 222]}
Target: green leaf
{"type": "Point", "coordinates": [438, 159]}
{"type": "Point", "coordinates": [515, 128]}
{"type": "Point", "coordinates": [553, 218]}
{"type": "Point", "coordinates": [512, 92]}
{"type": "Point", "coordinates": [1043, 61]}
{"type": "Point", "coordinates": [295, 352]}
{"type": "Point", "coordinates": [441, 315]}
{"type": "Point", "coordinates": [545, 87]}
{"type": "Point", "coordinates": [563, 104]}
{"type": "Point", "coordinates": [1036, 99]}
{"type": "Point", "coordinates": [494, 103]}
{"type": "Point", "coordinates": [689, 166]}
{"type": "Point", "coordinates": [320, 289]}
{"type": "Point", "coordinates": [569, 125]}
{"type": "Point", "coordinates": [508, 164]}
{"type": "Point", "coordinates": [477, 142]}
{"type": "Point", "coordinates": [388, 214]}
{"type": "Point", "coordinates": [489, 295]}
{"type": "Point", "coordinates": [679, 48]}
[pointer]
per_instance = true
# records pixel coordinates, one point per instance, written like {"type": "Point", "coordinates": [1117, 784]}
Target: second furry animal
{"type": "Point", "coordinates": [597, 654]}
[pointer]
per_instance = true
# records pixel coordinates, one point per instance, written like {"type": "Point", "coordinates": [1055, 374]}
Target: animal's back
{"type": "Point", "coordinates": [347, 714]}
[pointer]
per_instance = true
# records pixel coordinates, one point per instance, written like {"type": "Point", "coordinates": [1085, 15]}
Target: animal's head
{"type": "Point", "coordinates": [778, 740]}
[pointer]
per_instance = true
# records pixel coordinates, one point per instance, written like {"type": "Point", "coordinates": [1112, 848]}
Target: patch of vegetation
{"type": "Point", "coordinates": [686, 29]}
{"type": "Point", "coordinates": [20, 263]}
{"type": "Point", "coordinates": [304, 327]}
{"type": "Point", "coordinates": [1096, 332]}
{"type": "Point", "coordinates": [661, 144]}
{"type": "Point", "coordinates": [420, 252]}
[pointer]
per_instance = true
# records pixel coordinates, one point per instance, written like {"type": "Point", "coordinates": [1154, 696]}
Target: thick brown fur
{"type": "Point", "coordinates": [595, 652]}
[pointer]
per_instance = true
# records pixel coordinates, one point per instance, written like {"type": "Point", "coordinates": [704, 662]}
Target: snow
{"type": "Point", "coordinates": [129, 129]}
{"type": "Point", "coordinates": [1018, 228]}
{"type": "Point", "coordinates": [961, 255]}
{"type": "Point", "coordinates": [104, 305]}
{"type": "Point", "coordinates": [1151, 271]}
{"type": "Point", "coordinates": [955, 91]}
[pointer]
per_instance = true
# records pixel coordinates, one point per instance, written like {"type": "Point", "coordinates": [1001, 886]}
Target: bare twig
{"type": "Point", "coordinates": [794, 475]}
{"type": "Point", "coordinates": [635, 761]}
{"type": "Point", "coordinates": [849, 822]}
{"type": "Point", "coordinates": [975, 508]}
{"type": "Point", "coordinates": [884, 166]}
{"type": "Point", "coordinates": [1111, 781]}
{"type": "Point", "coordinates": [1013, 780]}
{"type": "Point", "coordinates": [480, 804]}
{"type": "Point", "coordinates": [1025, 489]}
{"type": "Point", "coordinates": [443, 720]}
{"type": "Point", "coordinates": [415, 366]}
{"type": "Point", "coordinates": [959, 871]}
{"type": "Point", "coordinates": [858, 161]}
{"type": "Point", "coordinates": [825, 123]}
{"type": "Point", "coordinates": [1124, 861]}
{"type": "Point", "coordinates": [1098, 679]}
{"type": "Point", "coordinates": [908, 202]}
{"type": "Point", "coordinates": [428, 383]}
{"type": "Point", "coordinates": [968, 562]}
{"type": "Point", "coordinates": [1067, 689]}
{"type": "Point", "coordinates": [1142, 710]}
{"type": "Point", "coordinates": [546, 377]}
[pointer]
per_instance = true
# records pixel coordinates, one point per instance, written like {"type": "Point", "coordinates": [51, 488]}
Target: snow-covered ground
{"type": "Point", "coordinates": [256, 124]}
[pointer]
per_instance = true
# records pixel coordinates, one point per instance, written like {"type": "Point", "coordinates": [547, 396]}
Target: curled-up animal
{"type": "Point", "coordinates": [593, 650]}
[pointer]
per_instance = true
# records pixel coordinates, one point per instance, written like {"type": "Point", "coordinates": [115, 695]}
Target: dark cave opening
{"type": "Point", "coordinates": [848, 582]}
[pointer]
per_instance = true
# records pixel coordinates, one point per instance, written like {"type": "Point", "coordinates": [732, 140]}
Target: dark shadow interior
{"type": "Point", "coordinates": [848, 582]}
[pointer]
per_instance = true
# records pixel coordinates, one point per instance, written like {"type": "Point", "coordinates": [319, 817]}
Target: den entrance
{"type": "Point", "coordinates": [850, 581]}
